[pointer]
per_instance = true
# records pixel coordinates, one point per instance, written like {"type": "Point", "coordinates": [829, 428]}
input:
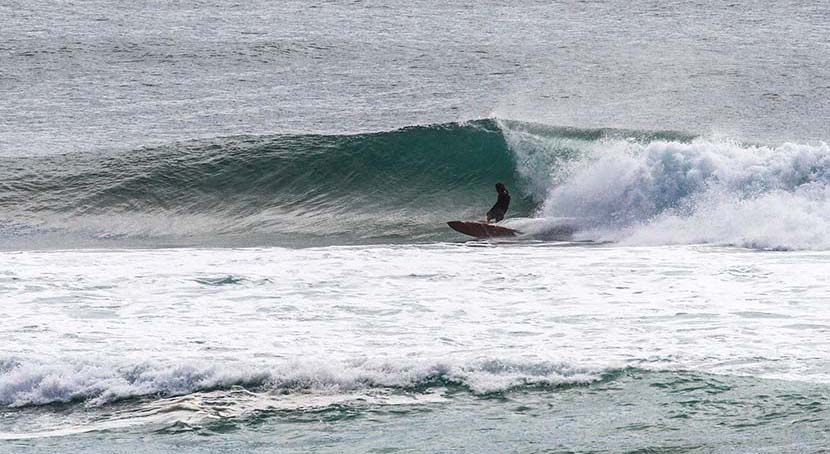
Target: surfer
{"type": "Point", "coordinates": [500, 208]}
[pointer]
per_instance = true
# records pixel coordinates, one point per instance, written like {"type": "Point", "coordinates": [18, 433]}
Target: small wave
{"type": "Point", "coordinates": [33, 383]}
{"type": "Point", "coordinates": [221, 280]}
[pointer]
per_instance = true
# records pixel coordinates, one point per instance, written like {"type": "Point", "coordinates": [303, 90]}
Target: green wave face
{"type": "Point", "coordinates": [405, 183]}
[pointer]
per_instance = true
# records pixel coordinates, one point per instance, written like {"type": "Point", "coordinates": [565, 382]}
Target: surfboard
{"type": "Point", "coordinates": [481, 229]}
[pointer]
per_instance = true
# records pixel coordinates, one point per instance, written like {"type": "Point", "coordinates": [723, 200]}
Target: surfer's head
{"type": "Point", "coordinates": [500, 188]}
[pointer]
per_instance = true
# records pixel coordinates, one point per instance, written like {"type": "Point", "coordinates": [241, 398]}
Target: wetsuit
{"type": "Point", "coordinates": [500, 208]}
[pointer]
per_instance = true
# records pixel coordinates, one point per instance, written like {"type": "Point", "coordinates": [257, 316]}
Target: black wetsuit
{"type": "Point", "coordinates": [500, 208]}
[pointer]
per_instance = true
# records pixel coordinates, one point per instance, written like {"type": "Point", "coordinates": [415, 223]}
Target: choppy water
{"type": "Point", "coordinates": [222, 227]}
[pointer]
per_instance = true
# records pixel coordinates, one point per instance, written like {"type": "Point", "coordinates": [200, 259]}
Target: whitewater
{"type": "Point", "coordinates": [313, 344]}
{"type": "Point", "coordinates": [223, 227]}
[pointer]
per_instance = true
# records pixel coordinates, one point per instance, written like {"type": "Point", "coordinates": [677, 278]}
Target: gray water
{"type": "Point", "coordinates": [79, 76]}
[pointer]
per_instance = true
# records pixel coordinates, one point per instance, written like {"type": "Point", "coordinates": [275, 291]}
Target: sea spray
{"type": "Point", "coordinates": [699, 192]}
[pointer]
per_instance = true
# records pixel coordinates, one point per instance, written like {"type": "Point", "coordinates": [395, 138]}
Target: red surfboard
{"type": "Point", "coordinates": [481, 229]}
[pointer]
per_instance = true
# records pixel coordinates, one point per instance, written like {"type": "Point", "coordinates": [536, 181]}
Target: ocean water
{"type": "Point", "coordinates": [222, 227]}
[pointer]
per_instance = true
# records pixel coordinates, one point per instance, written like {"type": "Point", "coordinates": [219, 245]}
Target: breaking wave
{"type": "Point", "coordinates": [33, 383]}
{"type": "Point", "coordinates": [632, 187]}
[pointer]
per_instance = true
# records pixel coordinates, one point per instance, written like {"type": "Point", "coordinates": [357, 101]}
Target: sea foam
{"type": "Point", "coordinates": [29, 383]}
{"type": "Point", "coordinates": [657, 192]}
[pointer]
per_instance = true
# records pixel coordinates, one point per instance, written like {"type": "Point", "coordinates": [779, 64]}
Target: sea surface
{"type": "Point", "coordinates": [223, 226]}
